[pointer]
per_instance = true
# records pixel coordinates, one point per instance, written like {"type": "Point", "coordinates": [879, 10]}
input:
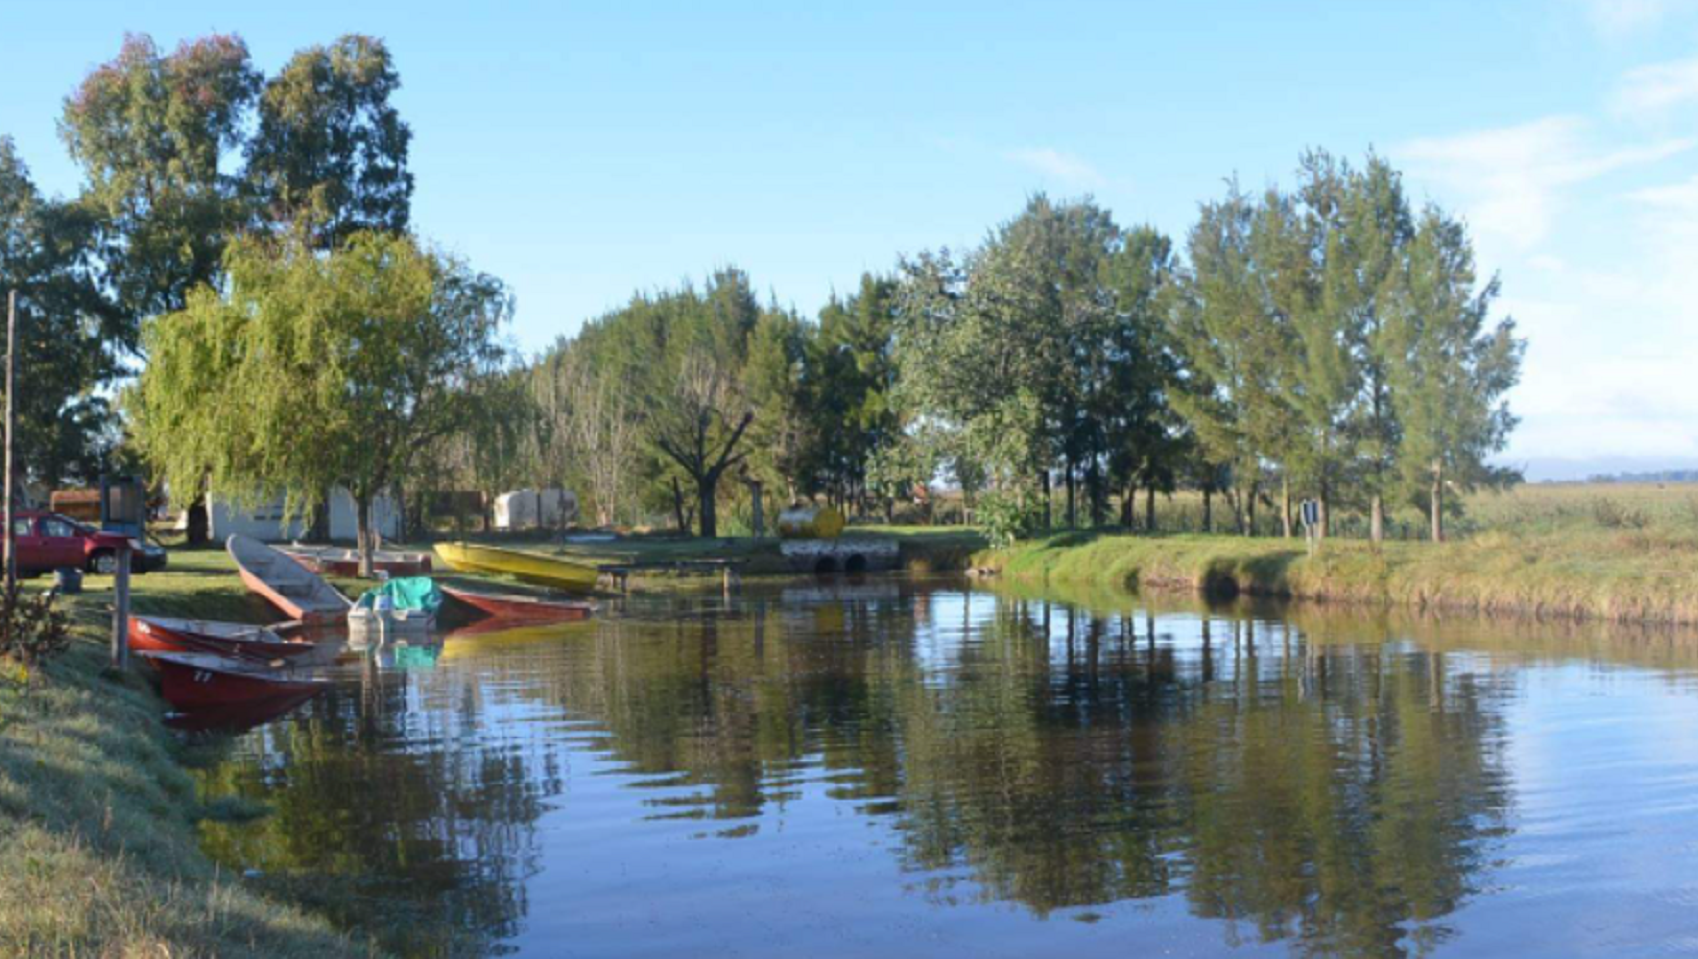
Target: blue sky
{"type": "Point", "coordinates": [582, 151]}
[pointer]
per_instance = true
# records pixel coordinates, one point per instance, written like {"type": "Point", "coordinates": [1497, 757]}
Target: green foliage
{"type": "Point", "coordinates": [1007, 517]}
{"type": "Point", "coordinates": [69, 336]}
{"type": "Point", "coordinates": [345, 368]}
{"type": "Point", "coordinates": [329, 155]}
{"type": "Point", "coordinates": [150, 130]}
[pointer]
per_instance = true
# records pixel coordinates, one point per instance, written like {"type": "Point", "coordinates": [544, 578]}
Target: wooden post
{"type": "Point", "coordinates": [121, 610]}
{"type": "Point", "coordinates": [11, 428]}
{"type": "Point", "coordinates": [756, 496]}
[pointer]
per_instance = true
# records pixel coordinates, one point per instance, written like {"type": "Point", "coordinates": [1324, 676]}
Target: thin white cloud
{"type": "Point", "coordinates": [1620, 18]}
{"type": "Point", "coordinates": [1658, 86]}
{"type": "Point", "coordinates": [1675, 199]}
{"type": "Point", "coordinates": [1511, 180]}
{"type": "Point", "coordinates": [1065, 168]}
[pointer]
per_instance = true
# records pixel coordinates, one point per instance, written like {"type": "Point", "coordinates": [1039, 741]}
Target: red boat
{"type": "Point", "coordinates": [164, 635]}
{"type": "Point", "coordinates": [199, 680]}
{"type": "Point", "coordinates": [511, 606]}
{"type": "Point", "coordinates": [236, 717]}
{"type": "Point", "coordinates": [288, 585]}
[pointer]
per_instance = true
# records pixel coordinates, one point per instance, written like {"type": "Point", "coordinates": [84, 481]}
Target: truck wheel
{"type": "Point", "coordinates": [104, 562]}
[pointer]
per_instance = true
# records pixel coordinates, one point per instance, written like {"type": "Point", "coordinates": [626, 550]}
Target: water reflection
{"type": "Point", "coordinates": [907, 754]}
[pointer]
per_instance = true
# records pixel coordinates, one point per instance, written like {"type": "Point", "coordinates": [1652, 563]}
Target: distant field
{"type": "Point", "coordinates": [1529, 507]}
{"type": "Point", "coordinates": [1555, 507]}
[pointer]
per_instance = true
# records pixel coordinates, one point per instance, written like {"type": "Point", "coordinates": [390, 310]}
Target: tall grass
{"type": "Point", "coordinates": [98, 847]}
{"type": "Point", "coordinates": [1623, 573]}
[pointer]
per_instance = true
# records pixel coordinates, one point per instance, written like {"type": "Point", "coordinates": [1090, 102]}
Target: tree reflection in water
{"type": "Point", "coordinates": [1343, 796]}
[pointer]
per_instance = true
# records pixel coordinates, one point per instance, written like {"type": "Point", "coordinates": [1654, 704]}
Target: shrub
{"type": "Point", "coordinates": [31, 628]}
{"type": "Point", "coordinates": [1006, 517]}
{"type": "Point", "coordinates": [1610, 514]}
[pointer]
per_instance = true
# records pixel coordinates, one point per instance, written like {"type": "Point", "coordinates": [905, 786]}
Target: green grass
{"type": "Point", "coordinates": [98, 847]}
{"type": "Point", "coordinates": [1619, 574]}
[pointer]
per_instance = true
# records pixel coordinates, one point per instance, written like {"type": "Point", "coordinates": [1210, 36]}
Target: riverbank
{"type": "Point", "coordinates": [1635, 575]}
{"type": "Point", "coordinates": [98, 848]}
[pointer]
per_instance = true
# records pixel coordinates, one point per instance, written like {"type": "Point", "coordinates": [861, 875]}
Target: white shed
{"type": "Point", "coordinates": [534, 509]}
{"type": "Point", "coordinates": [266, 522]}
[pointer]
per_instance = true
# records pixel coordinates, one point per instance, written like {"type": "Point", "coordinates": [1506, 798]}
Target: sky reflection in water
{"type": "Point", "coordinates": [906, 768]}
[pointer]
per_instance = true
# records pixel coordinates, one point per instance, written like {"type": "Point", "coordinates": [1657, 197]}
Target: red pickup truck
{"type": "Point", "coordinates": [49, 541]}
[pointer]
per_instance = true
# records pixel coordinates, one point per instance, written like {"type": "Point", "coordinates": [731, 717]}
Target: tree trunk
{"type": "Point", "coordinates": [1377, 518]}
{"type": "Point", "coordinates": [1324, 508]}
{"type": "Point", "coordinates": [707, 512]}
{"type": "Point", "coordinates": [1250, 511]}
{"type": "Point", "coordinates": [363, 534]}
{"type": "Point", "coordinates": [197, 532]}
{"type": "Point", "coordinates": [1072, 498]}
{"type": "Point", "coordinates": [1127, 499]}
{"type": "Point", "coordinates": [1150, 510]}
{"type": "Point", "coordinates": [1285, 506]}
{"type": "Point", "coordinates": [678, 507]}
{"type": "Point", "coordinates": [1208, 510]}
{"type": "Point", "coordinates": [1438, 501]}
{"type": "Point", "coordinates": [400, 494]}
{"type": "Point", "coordinates": [757, 508]}
{"type": "Point", "coordinates": [1049, 506]}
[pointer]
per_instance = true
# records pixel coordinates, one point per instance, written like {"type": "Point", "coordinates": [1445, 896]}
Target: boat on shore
{"type": "Point", "coordinates": [200, 680]}
{"type": "Point", "coordinates": [162, 634]}
{"type": "Point", "coordinates": [295, 590]}
{"type": "Point", "coordinates": [338, 561]}
{"type": "Point", "coordinates": [567, 575]}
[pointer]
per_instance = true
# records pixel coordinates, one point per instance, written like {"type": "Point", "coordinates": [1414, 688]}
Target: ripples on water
{"type": "Point", "coordinates": [893, 768]}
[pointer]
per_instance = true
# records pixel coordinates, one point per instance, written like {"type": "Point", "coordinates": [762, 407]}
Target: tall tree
{"type": "Point", "coordinates": [1449, 366]}
{"type": "Point", "coordinates": [47, 255]}
{"type": "Point", "coordinates": [344, 366]}
{"type": "Point", "coordinates": [1002, 344]}
{"type": "Point", "coordinates": [782, 437]}
{"type": "Point", "coordinates": [1226, 388]}
{"type": "Point", "coordinates": [150, 131]}
{"type": "Point", "coordinates": [1128, 401]}
{"type": "Point", "coordinates": [329, 155]}
{"type": "Point", "coordinates": [699, 423]}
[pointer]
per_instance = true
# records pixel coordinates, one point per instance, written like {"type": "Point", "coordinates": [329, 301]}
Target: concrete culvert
{"type": "Point", "coordinates": [825, 564]}
{"type": "Point", "coordinates": [856, 563]}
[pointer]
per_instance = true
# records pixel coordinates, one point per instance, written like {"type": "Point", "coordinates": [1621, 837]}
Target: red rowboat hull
{"type": "Point", "coordinates": [189, 684]}
{"type": "Point", "coordinates": [235, 717]}
{"type": "Point", "coordinates": [154, 636]}
{"type": "Point", "coordinates": [521, 608]}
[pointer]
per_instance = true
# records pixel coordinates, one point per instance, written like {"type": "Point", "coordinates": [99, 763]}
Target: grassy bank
{"type": "Point", "coordinates": [98, 847]}
{"type": "Point", "coordinates": [1627, 574]}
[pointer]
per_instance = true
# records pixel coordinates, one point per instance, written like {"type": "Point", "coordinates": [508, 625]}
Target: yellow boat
{"type": "Point", "coordinates": [569, 575]}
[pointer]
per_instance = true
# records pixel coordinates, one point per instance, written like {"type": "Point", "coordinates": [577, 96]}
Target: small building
{"type": "Point", "coordinates": [535, 509]}
{"type": "Point", "coordinates": [265, 523]}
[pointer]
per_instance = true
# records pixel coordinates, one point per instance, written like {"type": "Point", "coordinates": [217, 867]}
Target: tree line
{"type": "Point", "coordinates": [1332, 341]}
{"type": "Point", "coordinates": [245, 241]}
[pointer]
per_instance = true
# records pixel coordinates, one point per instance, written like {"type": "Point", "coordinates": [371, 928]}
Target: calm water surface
{"type": "Point", "coordinates": [894, 768]}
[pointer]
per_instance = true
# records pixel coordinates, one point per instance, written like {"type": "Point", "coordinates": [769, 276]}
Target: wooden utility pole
{"type": "Point", "coordinates": [121, 610]}
{"type": "Point", "coordinates": [11, 429]}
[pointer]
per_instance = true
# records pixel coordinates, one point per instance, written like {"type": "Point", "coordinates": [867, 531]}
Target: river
{"type": "Point", "coordinates": [913, 768]}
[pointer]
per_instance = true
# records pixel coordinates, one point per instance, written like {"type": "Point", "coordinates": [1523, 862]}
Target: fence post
{"type": "Point", "coordinates": [121, 611]}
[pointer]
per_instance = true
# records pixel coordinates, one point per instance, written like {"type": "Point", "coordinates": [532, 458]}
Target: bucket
{"type": "Point", "coordinates": [68, 581]}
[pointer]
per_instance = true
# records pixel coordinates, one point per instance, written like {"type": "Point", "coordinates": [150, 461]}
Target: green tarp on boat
{"type": "Point", "coordinates": [403, 594]}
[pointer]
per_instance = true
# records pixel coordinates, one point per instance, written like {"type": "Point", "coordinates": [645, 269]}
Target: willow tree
{"type": "Point", "coordinates": [312, 372]}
